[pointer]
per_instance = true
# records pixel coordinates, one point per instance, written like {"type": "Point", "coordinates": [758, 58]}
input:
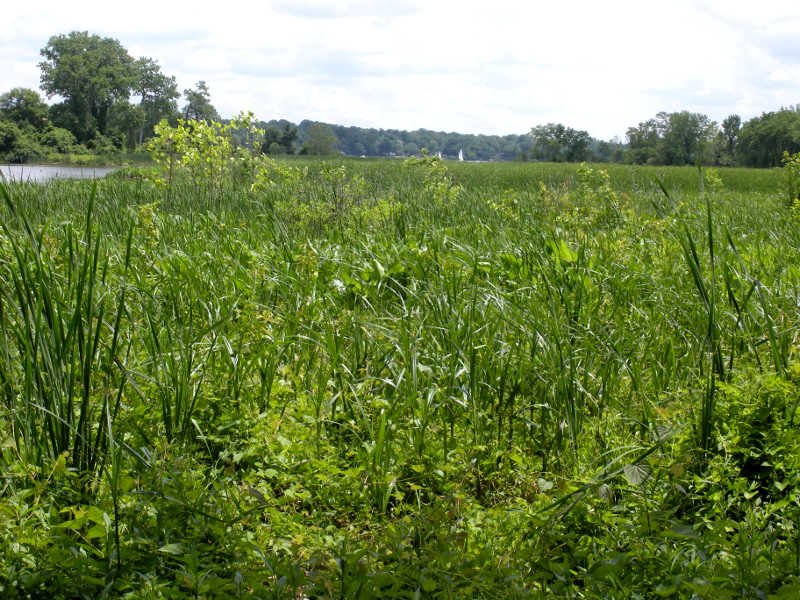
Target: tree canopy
{"type": "Point", "coordinates": [555, 142]}
{"type": "Point", "coordinates": [678, 138]}
{"type": "Point", "coordinates": [321, 140]}
{"type": "Point", "coordinates": [157, 92]}
{"type": "Point", "coordinates": [763, 140]}
{"type": "Point", "coordinates": [198, 106]}
{"type": "Point", "coordinates": [91, 74]}
{"type": "Point", "coordinates": [24, 106]}
{"type": "Point", "coordinates": [105, 100]}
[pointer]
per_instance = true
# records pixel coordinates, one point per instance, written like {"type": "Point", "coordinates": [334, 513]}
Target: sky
{"type": "Point", "coordinates": [496, 67]}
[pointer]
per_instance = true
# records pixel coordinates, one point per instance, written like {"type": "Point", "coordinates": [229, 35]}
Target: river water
{"type": "Point", "coordinates": [45, 172]}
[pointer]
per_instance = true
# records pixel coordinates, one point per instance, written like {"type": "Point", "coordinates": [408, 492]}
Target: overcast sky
{"type": "Point", "coordinates": [493, 67]}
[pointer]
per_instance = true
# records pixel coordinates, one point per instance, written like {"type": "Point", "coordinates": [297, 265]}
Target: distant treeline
{"type": "Point", "coordinates": [678, 138]}
{"type": "Point", "coordinates": [111, 102]}
{"type": "Point", "coordinates": [684, 138]}
{"type": "Point", "coordinates": [361, 141]}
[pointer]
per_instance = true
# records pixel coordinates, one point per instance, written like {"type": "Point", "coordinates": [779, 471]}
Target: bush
{"type": "Point", "coordinates": [104, 145]}
{"type": "Point", "coordinates": [791, 171]}
{"type": "Point", "coordinates": [9, 136]}
{"type": "Point", "coordinates": [25, 151]}
{"type": "Point", "coordinates": [59, 139]}
{"type": "Point", "coordinates": [15, 147]}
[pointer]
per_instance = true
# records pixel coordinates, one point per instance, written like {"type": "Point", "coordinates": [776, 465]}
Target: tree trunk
{"type": "Point", "coordinates": [141, 127]}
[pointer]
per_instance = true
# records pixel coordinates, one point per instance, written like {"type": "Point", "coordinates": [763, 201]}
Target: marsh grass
{"type": "Point", "coordinates": [354, 383]}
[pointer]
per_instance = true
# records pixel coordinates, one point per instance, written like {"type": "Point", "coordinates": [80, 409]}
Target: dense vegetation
{"type": "Point", "coordinates": [94, 78]}
{"type": "Point", "coordinates": [684, 138]}
{"type": "Point", "coordinates": [228, 377]}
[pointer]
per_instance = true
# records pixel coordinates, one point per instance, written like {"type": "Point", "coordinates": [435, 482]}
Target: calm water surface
{"type": "Point", "coordinates": [45, 172]}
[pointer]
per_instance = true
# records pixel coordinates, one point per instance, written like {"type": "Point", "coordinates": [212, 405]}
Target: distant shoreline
{"type": "Point", "coordinates": [88, 160]}
{"type": "Point", "coordinates": [43, 172]}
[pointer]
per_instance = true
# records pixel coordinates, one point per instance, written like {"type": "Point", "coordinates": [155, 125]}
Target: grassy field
{"type": "Point", "coordinates": [387, 379]}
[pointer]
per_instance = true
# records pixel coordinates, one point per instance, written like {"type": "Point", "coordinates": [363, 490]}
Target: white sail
{"type": "Point", "coordinates": [461, 155]}
{"type": "Point", "coordinates": [440, 155]}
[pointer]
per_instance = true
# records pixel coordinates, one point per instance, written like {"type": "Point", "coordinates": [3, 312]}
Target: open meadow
{"type": "Point", "coordinates": [400, 379]}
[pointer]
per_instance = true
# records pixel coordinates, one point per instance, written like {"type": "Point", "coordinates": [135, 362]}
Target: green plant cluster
{"type": "Point", "coordinates": [27, 133]}
{"type": "Point", "coordinates": [233, 377]}
{"type": "Point", "coordinates": [791, 174]}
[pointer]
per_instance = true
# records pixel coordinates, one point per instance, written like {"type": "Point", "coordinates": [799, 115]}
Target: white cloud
{"type": "Point", "coordinates": [498, 67]}
{"type": "Point", "coordinates": [342, 9]}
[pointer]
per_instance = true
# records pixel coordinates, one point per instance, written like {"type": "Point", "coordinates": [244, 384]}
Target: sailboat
{"type": "Point", "coordinates": [461, 155]}
{"type": "Point", "coordinates": [440, 155]}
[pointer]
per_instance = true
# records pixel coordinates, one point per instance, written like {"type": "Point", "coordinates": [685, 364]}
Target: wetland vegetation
{"type": "Point", "coordinates": [227, 376]}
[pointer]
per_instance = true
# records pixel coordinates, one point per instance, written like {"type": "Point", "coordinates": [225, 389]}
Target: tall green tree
{"type": "Point", "coordinates": [91, 74]}
{"type": "Point", "coordinates": [321, 140]}
{"type": "Point", "coordinates": [642, 142]}
{"type": "Point", "coordinates": [677, 138]}
{"type": "Point", "coordinates": [271, 136]}
{"type": "Point", "coordinates": [548, 144]}
{"type": "Point", "coordinates": [158, 95]}
{"type": "Point", "coordinates": [685, 136]}
{"type": "Point", "coordinates": [730, 129]}
{"type": "Point", "coordinates": [554, 142]}
{"type": "Point", "coordinates": [198, 104]}
{"type": "Point", "coordinates": [763, 140]}
{"type": "Point", "coordinates": [576, 145]}
{"type": "Point", "coordinates": [288, 138]}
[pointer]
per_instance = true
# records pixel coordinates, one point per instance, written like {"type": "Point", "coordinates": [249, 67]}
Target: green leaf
{"type": "Point", "coordinates": [786, 592]}
{"type": "Point", "coordinates": [561, 251]}
{"type": "Point", "coordinates": [516, 458]}
{"type": "Point", "coordinates": [95, 515]}
{"type": "Point", "coordinates": [544, 485]}
{"type": "Point", "coordinates": [176, 549]}
{"type": "Point", "coordinates": [682, 530]}
{"type": "Point", "coordinates": [97, 531]}
{"type": "Point", "coordinates": [60, 468]}
{"type": "Point", "coordinates": [666, 592]}
{"type": "Point", "coordinates": [637, 474]}
{"type": "Point", "coordinates": [429, 585]}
